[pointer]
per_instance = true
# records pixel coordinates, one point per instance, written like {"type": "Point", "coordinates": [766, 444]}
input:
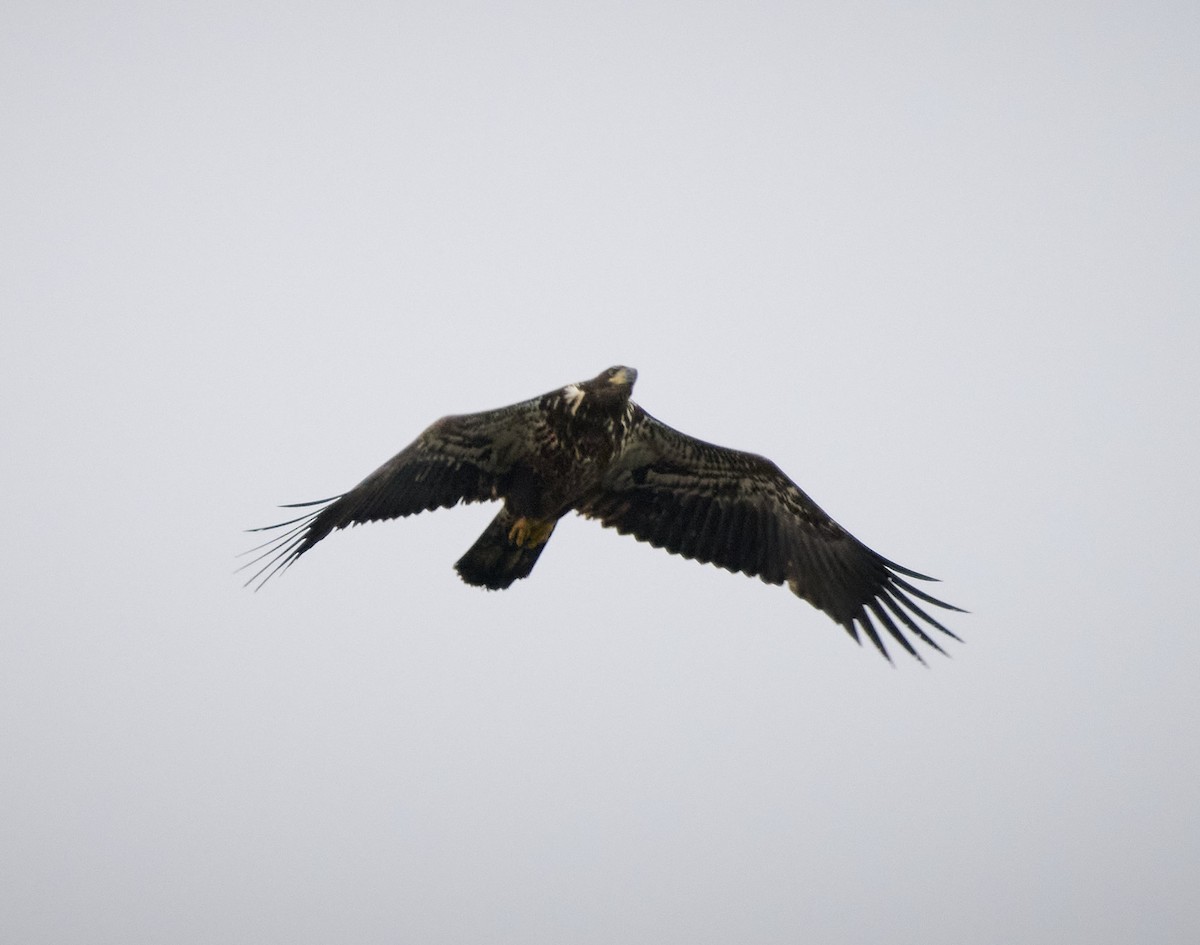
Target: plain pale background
{"type": "Point", "coordinates": [939, 261]}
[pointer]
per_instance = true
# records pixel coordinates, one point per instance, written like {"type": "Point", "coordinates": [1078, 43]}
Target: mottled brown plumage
{"type": "Point", "coordinates": [588, 448]}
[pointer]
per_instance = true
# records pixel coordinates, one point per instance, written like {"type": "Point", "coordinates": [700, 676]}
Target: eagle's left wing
{"type": "Point", "coordinates": [463, 458]}
{"type": "Point", "coordinates": [740, 512]}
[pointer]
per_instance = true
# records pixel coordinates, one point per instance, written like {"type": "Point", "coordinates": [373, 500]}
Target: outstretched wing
{"type": "Point", "coordinates": [463, 458]}
{"type": "Point", "coordinates": [740, 512]}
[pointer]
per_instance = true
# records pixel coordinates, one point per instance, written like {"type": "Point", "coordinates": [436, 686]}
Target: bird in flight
{"type": "Point", "coordinates": [589, 448]}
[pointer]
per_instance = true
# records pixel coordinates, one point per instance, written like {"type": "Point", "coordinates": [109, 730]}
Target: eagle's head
{"type": "Point", "coordinates": [619, 378]}
{"type": "Point", "coordinates": [606, 390]}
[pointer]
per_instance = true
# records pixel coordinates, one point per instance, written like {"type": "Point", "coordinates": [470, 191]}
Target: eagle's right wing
{"type": "Point", "coordinates": [740, 512]}
{"type": "Point", "coordinates": [463, 458]}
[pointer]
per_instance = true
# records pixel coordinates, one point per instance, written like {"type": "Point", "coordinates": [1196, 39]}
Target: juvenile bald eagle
{"type": "Point", "coordinates": [588, 448]}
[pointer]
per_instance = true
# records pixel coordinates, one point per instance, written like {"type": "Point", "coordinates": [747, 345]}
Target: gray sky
{"type": "Point", "coordinates": [938, 261]}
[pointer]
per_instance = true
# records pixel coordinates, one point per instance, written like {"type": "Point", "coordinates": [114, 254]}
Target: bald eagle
{"type": "Point", "coordinates": [588, 448]}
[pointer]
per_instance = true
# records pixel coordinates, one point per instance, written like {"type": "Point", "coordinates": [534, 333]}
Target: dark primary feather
{"type": "Point", "coordinates": [740, 512]}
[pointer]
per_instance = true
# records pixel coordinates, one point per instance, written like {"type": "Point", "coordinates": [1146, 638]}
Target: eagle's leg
{"type": "Point", "coordinates": [506, 551]}
{"type": "Point", "coordinates": [531, 532]}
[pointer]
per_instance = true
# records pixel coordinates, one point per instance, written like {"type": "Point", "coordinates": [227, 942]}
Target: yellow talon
{"type": "Point", "coordinates": [528, 532]}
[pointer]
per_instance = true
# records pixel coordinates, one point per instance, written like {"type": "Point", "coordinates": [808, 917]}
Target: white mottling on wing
{"type": "Point", "coordinates": [574, 395]}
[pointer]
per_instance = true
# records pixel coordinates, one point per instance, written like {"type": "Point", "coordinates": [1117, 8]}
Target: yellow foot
{"type": "Point", "coordinates": [529, 532]}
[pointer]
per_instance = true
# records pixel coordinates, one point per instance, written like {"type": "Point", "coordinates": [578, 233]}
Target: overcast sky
{"type": "Point", "coordinates": [938, 261]}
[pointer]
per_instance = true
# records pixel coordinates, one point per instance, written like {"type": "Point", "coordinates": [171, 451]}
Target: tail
{"type": "Point", "coordinates": [506, 551]}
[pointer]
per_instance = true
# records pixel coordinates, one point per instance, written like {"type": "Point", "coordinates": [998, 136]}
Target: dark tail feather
{"type": "Point", "coordinates": [495, 562]}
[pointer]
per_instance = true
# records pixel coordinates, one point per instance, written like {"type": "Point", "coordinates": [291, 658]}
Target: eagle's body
{"type": "Point", "coordinates": [588, 448]}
